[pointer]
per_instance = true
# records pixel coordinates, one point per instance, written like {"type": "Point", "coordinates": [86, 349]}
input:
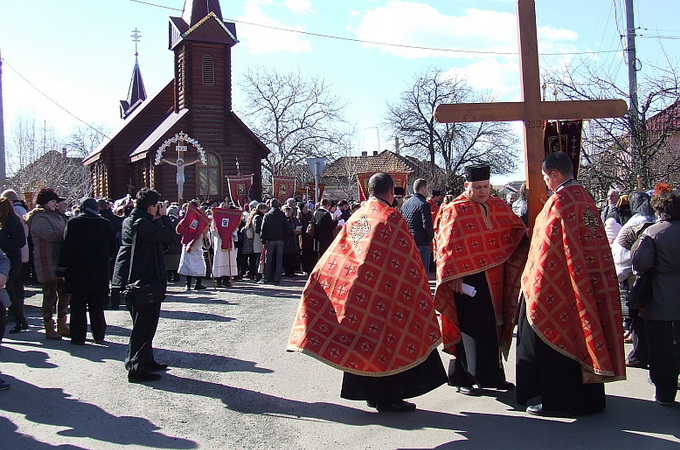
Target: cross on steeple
{"type": "Point", "coordinates": [136, 37]}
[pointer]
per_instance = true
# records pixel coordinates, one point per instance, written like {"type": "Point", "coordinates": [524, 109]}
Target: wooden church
{"type": "Point", "coordinates": [197, 103]}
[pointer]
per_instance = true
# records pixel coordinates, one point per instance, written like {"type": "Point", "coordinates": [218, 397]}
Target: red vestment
{"type": "Point", "coordinates": [477, 237]}
{"type": "Point", "coordinates": [570, 286]}
{"type": "Point", "coordinates": [367, 307]}
{"type": "Point", "coordinates": [192, 225]}
{"type": "Point", "coordinates": [226, 221]}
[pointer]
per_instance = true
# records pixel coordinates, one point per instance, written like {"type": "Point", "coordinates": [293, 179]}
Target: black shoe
{"type": "Point", "coordinates": [17, 328]}
{"type": "Point", "coordinates": [4, 385]}
{"type": "Point", "coordinates": [156, 367]}
{"type": "Point", "coordinates": [400, 406]}
{"type": "Point", "coordinates": [537, 410]}
{"type": "Point", "coordinates": [469, 390]}
{"type": "Point", "coordinates": [77, 342]}
{"type": "Point", "coordinates": [199, 287]}
{"type": "Point", "coordinates": [636, 364]}
{"type": "Point", "coordinates": [505, 386]}
{"type": "Point", "coordinates": [142, 377]}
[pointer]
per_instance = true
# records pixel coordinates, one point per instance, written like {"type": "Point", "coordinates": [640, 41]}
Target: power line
{"type": "Point", "coordinates": [383, 44]}
{"type": "Point", "coordinates": [54, 101]}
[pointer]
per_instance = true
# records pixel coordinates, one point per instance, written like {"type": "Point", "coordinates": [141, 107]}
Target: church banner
{"type": "Point", "coordinates": [400, 179]}
{"type": "Point", "coordinates": [192, 225]}
{"type": "Point", "coordinates": [310, 188]}
{"type": "Point", "coordinates": [239, 186]}
{"type": "Point", "coordinates": [283, 187]}
{"type": "Point", "coordinates": [225, 222]}
{"type": "Point", "coordinates": [565, 136]}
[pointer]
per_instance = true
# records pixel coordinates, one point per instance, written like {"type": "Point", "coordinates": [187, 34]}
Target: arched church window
{"type": "Point", "coordinates": [209, 176]}
{"type": "Point", "coordinates": [208, 70]}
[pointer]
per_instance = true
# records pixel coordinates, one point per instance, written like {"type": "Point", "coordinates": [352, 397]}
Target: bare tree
{"type": "Point", "coordinates": [83, 139]}
{"type": "Point", "coordinates": [453, 145]}
{"type": "Point", "coordinates": [296, 117]}
{"type": "Point", "coordinates": [615, 152]}
{"type": "Point", "coordinates": [29, 142]}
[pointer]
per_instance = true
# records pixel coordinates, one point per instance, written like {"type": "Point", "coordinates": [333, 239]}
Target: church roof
{"type": "Point", "coordinates": [156, 135]}
{"type": "Point", "coordinates": [195, 10]}
{"type": "Point", "coordinates": [136, 92]}
{"type": "Point", "coordinates": [210, 28]}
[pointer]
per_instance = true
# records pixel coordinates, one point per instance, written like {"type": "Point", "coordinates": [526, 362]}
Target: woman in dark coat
{"type": "Point", "coordinates": [291, 245]}
{"type": "Point", "coordinates": [146, 229]}
{"type": "Point", "coordinates": [308, 255]}
{"type": "Point", "coordinates": [84, 257]}
{"type": "Point", "coordinates": [659, 250]}
{"type": "Point", "coordinates": [12, 239]}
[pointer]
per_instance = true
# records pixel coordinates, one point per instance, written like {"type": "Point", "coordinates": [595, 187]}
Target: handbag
{"type": "Point", "coordinates": [642, 290]}
{"type": "Point", "coordinates": [142, 293]}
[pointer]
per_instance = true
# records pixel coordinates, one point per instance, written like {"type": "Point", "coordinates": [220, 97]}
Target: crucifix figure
{"type": "Point", "coordinates": [180, 164]}
{"type": "Point", "coordinates": [532, 110]}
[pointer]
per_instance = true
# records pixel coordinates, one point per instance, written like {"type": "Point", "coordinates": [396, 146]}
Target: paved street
{"type": "Point", "coordinates": [232, 385]}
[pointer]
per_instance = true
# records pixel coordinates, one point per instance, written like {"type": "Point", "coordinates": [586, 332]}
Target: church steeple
{"type": "Point", "coordinates": [136, 92]}
{"type": "Point", "coordinates": [195, 10]}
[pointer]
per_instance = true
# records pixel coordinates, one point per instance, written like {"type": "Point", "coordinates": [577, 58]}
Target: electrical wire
{"type": "Point", "coordinates": [4, 61]}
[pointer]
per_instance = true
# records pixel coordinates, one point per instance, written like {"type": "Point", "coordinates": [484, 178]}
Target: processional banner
{"type": "Point", "coordinates": [192, 225]}
{"type": "Point", "coordinates": [239, 186]}
{"type": "Point", "coordinates": [564, 136]}
{"type": "Point", "coordinates": [284, 187]}
{"type": "Point", "coordinates": [225, 222]}
{"type": "Point", "coordinates": [400, 180]}
{"type": "Point", "coordinates": [310, 188]}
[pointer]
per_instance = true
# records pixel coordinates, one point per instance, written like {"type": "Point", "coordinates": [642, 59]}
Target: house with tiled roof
{"type": "Point", "coordinates": [196, 103]}
{"type": "Point", "coordinates": [340, 176]}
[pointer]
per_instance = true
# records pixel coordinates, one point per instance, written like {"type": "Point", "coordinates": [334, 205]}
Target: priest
{"type": "Point", "coordinates": [367, 309]}
{"type": "Point", "coordinates": [570, 335]}
{"type": "Point", "coordinates": [479, 261]}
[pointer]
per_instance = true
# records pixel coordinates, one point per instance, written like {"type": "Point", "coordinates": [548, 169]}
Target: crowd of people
{"type": "Point", "coordinates": [559, 285]}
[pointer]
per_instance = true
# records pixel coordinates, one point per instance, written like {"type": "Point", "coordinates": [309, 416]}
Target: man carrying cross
{"type": "Point", "coordinates": [570, 335]}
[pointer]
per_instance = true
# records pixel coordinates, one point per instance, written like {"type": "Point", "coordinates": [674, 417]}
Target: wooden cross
{"type": "Point", "coordinates": [532, 111]}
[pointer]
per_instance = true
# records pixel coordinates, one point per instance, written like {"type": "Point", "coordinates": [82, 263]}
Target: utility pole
{"type": "Point", "coordinates": [633, 109]}
{"type": "Point", "coordinates": [3, 168]}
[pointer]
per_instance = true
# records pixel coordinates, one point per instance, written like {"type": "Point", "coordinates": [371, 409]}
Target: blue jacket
{"type": "Point", "coordinates": [418, 216]}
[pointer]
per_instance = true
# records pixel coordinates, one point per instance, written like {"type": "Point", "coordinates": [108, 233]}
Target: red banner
{"type": "Point", "coordinates": [564, 136]}
{"type": "Point", "coordinates": [192, 225]}
{"type": "Point", "coordinates": [284, 187]}
{"type": "Point", "coordinates": [225, 222]}
{"type": "Point", "coordinates": [310, 186]}
{"type": "Point", "coordinates": [400, 179]}
{"type": "Point", "coordinates": [239, 186]}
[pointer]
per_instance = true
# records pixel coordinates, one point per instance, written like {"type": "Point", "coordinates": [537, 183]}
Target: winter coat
{"type": "Point", "coordinates": [307, 240]}
{"type": "Point", "coordinates": [323, 227]}
{"type": "Point", "coordinates": [20, 210]}
{"type": "Point", "coordinates": [416, 211]}
{"type": "Point", "coordinates": [659, 249]}
{"type": "Point", "coordinates": [47, 232]}
{"type": "Point", "coordinates": [273, 225]}
{"type": "Point", "coordinates": [13, 239]}
{"type": "Point", "coordinates": [89, 244]}
{"type": "Point", "coordinates": [291, 244]}
{"type": "Point", "coordinates": [148, 263]}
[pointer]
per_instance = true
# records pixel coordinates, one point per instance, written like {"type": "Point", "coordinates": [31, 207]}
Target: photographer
{"type": "Point", "coordinates": [141, 258]}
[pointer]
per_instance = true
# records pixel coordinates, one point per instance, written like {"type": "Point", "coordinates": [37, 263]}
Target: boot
{"type": "Point", "coordinates": [62, 328]}
{"type": "Point", "coordinates": [49, 331]}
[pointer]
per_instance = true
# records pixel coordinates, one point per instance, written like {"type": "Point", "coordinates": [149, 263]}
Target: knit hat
{"type": "Point", "coordinates": [45, 195]}
{"type": "Point", "coordinates": [253, 204]}
{"type": "Point", "coordinates": [88, 205]}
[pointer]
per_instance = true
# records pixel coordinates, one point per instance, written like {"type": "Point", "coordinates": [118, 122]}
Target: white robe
{"type": "Point", "coordinates": [224, 261]}
{"type": "Point", "coordinates": [192, 263]}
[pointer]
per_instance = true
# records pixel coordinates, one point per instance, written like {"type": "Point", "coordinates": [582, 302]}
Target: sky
{"type": "Point", "coordinates": [80, 54]}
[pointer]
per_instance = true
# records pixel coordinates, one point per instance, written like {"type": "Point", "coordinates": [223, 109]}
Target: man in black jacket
{"type": "Point", "coordinates": [416, 211]}
{"type": "Point", "coordinates": [89, 244]}
{"type": "Point", "coordinates": [323, 226]}
{"type": "Point", "coordinates": [144, 233]}
{"type": "Point", "coordinates": [274, 228]}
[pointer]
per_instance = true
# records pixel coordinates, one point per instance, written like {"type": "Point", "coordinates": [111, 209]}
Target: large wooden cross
{"type": "Point", "coordinates": [532, 111]}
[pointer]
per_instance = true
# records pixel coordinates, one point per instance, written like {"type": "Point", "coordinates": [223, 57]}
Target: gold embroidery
{"type": "Point", "coordinates": [359, 229]}
{"type": "Point", "coordinates": [590, 220]}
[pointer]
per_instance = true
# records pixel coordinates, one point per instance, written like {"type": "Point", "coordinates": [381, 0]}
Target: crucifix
{"type": "Point", "coordinates": [532, 110]}
{"type": "Point", "coordinates": [180, 164]}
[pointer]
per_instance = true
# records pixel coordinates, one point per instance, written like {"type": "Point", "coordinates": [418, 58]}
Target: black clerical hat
{"type": "Point", "coordinates": [477, 173]}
